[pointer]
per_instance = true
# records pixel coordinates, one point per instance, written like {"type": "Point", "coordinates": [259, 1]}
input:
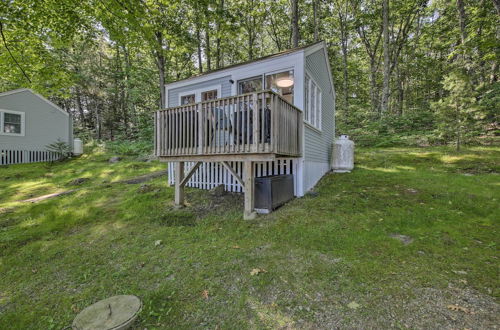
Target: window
{"type": "Point", "coordinates": [200, 95]}
{"type": "Point", "coordinates": [306, 99]}
{"type": "Point", "coordinates": [11, 122]}
{"type": "Point", "coordinates": [187, 99]}
{"type": "Point", "coordinates": [312, 103]}
{"type": "Point", "coordinates": [281, 83]}
{"type": "Point", "coordinates": [208, 95]}
{"type": "Point", "coordinates": [250, 85]}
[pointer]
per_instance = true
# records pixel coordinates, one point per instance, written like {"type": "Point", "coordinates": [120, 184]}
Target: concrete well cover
{"type": "Point", "coordinates": [114, 313]}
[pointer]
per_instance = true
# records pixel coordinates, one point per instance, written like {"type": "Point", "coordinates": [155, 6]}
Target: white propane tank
{"type": "Point", "coordinates": [343, 155]}
{"type": "Point", "coordinates": [77, 147]}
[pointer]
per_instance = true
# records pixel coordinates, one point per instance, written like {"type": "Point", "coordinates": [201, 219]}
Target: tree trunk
{"type": "Point", "coordinates": [497, 5]}
{"type": "Point", "coordinates": [400, 84]}
{"type": "Point", "coordinates": [200, 61]}
{"type": "Point", "coordinates": [343, 43]}
{"type": "Point", "coordinates": [387, 62]}
{"type": "Point", "coordinates": [458, 127]}
{"type": "Point", "coordinates": [208, 52]}
{"type": "Point", "coordinates": [160, 63]}
{"type": "Point", "coordinates": [79, 106]}
{"type": "Point", "coordinates": [250, 43]}
{"type": "Point", "coordinates": [295, 23]}
{"type": "Point", "coordinates": [218, 55]}
{"type": "Point", "coordinates": [126, 91]}
{"type": "Point", "coordinates": [373, 85]}
{"type": "Point", "coordinates": [462, 18]}
{"type": "Point", "coordinates": [315, 19]}
{"type": "Point", "coordinates": [462, 21]}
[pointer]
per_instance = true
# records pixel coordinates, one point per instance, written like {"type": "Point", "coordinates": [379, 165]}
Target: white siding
{"type": "Point", "coordinates": [173, 94]}
{"type": "Point", "coordinates": [318, 143]}
{"type": "Point", "coordinates": [44, 124]}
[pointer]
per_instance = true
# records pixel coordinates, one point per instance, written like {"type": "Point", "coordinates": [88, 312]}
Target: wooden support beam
{"type": "Point", "coordinates": [190, 174]}
{"type": "Point", "coordinates": [179, 189]}
{"type": "Point", "coordinates": [249, 187]}
{"type": "Point", "coordinates": [221, 158]}
{"type": "Point", "coordinates": [233, 173]}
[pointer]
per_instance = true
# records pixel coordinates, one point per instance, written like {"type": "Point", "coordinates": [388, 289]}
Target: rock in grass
{"type": "Point", "coordinates": [115, 159]}
{"type": "Point", "coordinates": [145, 188]}
{"type": "Point", "coordinates": [402, 238]}
{"type": "Point", "coordinates": [78, 181]}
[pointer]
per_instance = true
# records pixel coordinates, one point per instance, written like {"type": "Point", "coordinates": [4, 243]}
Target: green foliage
{"type": "Point", "coordinates": [458, 111]}
{"type": "Point", "coordinates": [129, 148]}
{"type": "Point", "coordinates": [104, 60]}
{"type": "Point", "coordinates": [61, 148]}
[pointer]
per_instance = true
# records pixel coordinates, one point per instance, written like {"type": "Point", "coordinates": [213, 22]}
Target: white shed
{"type": "Point", "coordinates": [273, 115]}
{"type": "Point", "coordinates": [28, 123]}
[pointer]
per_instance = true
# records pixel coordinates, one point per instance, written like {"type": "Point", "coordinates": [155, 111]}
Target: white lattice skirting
{"type": "Point", "coordinates": [8, 157]}
{"type": "Point", "coordinates": [211, 175]}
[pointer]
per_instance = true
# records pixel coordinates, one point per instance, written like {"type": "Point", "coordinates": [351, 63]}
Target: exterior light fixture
{"type": "Point", "coordinates": [284, 82]}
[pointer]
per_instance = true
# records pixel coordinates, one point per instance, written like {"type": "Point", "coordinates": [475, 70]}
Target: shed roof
{"type": "Point", "coordinates": [19, 90]}
{"type": "Point", "coordinates": [282, 53]}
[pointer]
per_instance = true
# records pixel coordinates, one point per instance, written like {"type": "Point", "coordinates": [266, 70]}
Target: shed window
{"type": "Point", "coordinates": [11, 122]}
{"type": "Point", "coordinates": [208, 95]}
{"type": "Point", "coordinates": [250, 85]}
{"type": "Point", "coordinates": [281, 83]}
{"type": "Point", "coordinates": [187, 99]}
{"type": "Point", "coordinates": [312, 103]}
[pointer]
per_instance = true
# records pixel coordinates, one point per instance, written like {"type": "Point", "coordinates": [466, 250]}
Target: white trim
{"type": "Point", "coordinates": [37, 95]}
{"type": "Point", "coordinates": [317, 106]}
{"type": "Point", "coordinates": [231, 69]}
{"type": "Point", "coordinates": [2, 120]}
{"type": "Point", "coordinates": [290, 61]}
{"type": "Point", "coordinates": [14, 91]}
{"type": "Point", "coordinates": [263, 78]}
{"type": "Point", "coordinates": [313, 128]}
{"type": "Point", "coordinates": [197, 92]}
{"type": "Point", "coordinates": [314, 48]}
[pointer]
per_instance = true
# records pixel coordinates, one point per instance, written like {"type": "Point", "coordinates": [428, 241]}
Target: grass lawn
{"type": "Point", "coordinates": [330, 259]}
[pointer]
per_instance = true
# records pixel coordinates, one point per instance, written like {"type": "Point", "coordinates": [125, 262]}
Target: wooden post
{"type": "Point", "coordinates": [179, 188]}
{"type": "Point", "coordinates": [248, 172]}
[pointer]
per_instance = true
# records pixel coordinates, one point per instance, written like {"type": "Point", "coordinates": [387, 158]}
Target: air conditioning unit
{"type": "Point", "coordinates": [272, 191]}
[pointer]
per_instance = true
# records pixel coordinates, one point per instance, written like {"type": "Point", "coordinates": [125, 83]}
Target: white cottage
{"type": "Point", "coordinates": [273, 115]}
{"type": "Point", "coordinates": [28, 123]}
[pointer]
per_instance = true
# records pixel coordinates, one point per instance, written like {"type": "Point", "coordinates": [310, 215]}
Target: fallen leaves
{"type": "Point", "coordinates": [158, 242]}
{"type": "Point", "coordinates": [204, 294]}
{"type": "Point", "coordinates": [257, 271]}
{"type": "Point", "coordinates": [353, 305]}
{"type": "Point", "coordinates": [235, 247]}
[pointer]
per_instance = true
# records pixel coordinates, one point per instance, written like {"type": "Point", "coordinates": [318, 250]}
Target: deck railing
{"type": "Point", "coordinates": [255, 123]}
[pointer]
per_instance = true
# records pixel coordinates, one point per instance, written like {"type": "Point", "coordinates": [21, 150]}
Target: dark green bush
{"type": "Point", "coordinates": [129, 148]}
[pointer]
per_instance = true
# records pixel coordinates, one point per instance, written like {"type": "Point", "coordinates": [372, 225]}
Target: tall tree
{"type": "Point", "coordinates": [387, 63]}
{"type": "Point", "coordinates": [295, 23]}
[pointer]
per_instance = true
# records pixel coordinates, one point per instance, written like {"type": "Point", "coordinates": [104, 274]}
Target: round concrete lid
{"type": "Point", "coordinates": [114, 313]}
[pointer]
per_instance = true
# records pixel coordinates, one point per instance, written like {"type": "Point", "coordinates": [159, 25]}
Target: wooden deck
{"type": "Point", "coordinates": [252, 127]}
{"type": "Point", "coordinates": [258, 126]}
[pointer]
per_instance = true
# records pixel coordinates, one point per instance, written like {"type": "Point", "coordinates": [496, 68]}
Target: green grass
{"type": "Point", "coordinates": [320, 252]}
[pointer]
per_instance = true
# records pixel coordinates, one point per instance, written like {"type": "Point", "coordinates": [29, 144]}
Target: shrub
{"type": "Point", "coordinates": [130, 148]}
{"type": "Point", "coordinates": [61, 148]}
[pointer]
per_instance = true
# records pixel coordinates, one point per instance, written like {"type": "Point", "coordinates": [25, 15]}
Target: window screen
{"type": "Point", "coordinates": [12, 123]}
